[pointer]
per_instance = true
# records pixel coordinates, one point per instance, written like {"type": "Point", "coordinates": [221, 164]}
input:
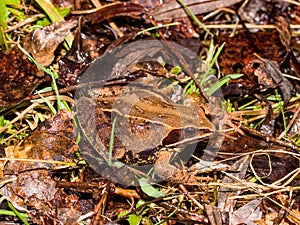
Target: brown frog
{"type": "Point", "coordinates": [148, 128]}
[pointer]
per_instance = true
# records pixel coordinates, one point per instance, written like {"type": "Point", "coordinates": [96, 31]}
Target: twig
{"type": "Point", "coordinates": [178, 55]}
{"type": "Point", "coordinates": [269, 138]}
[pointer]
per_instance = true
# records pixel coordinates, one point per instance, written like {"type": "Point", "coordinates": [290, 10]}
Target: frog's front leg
{"type": "Point", "coordinates": [164, 169]}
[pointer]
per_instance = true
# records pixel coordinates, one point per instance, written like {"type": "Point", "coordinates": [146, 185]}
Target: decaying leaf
{"type": "Point", "coordinates": [268, 73]}
{"type": "Point", "coordinates": [18, 78]}
{"type": "Point", "coordinates": [53, 140]}
{"type": "Point", "coordinates": [225, 204]}
{"type": "Point", "coordinates": [82, 52]}
{"type": "Point", "coordinates": [172, 8]}
{"type": "Point", "coordinates": [115, 10]}
{"type": "Point", "coordinates": [285, 35]}
{"type": "Point", "coordinates": [43, 42]}
{"type": "Point", "coordinates": [252, 11]}
{"type": "Point", "coordinates": [240, 60]}
{"type": "Point", "coordinates": [250, 212]}
{"type": "Point", "coordinates": [36, 187]}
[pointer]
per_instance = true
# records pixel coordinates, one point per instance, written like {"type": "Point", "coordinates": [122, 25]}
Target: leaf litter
{"type": "Point", "coordinates": [251, 181]}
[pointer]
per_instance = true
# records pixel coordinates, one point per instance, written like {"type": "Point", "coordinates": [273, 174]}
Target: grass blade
{"type": "Point", "coordinates": [192, 15]}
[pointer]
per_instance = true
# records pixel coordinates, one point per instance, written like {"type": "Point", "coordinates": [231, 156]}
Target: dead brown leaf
{"type": "Point", "coordinates": [18, 78]}
{"type": "Point", "coordinates": [42, 43]}
{"type": "Point", "coordinates": [52, 140]}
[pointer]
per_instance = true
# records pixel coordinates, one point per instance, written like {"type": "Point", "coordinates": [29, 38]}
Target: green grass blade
{"type": "Point", "coordinates": [3, 24]}
{"type": "Point", "coordinates": [156, 27]}
{"type": "Point", "coordinates": [55, 16]}
{"type": "Point", "coordinates": [192, 15]}
{"type": "Point", "coordinates": [11, 213]}
{"type": "Point", "coordinates": [60, 105]}
{"type": "Point", "coordinates": [17, 213]}
{"type": "Point", "coordinates": [53, 110]}
{"type": "Point", "coordinates": [222, 82]}
{"type": "Point", "coordinates": [111, 142]}
{"type": "Point", "coordinates": [51, 11]}
{"type": "Point", "coordinates": [212, 62]}
{"type": "Point", "coordinates": [12, 2]}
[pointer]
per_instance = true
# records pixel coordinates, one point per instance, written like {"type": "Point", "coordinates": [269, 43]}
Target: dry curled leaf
{"type": "Point", "coordinates": [42, 43]}
{"type": "Point", "coordinates": [116, 10]}
{"type": "Point", "coordinates": [52, 140]}
{"type": "Point", "coordinates": [285, 33]}
{"type": "Point", "coordinates": [172, 8]}
{"type": "Point", "coordinates": [268, 74]}
{"type": "Point", "coordinates": [18, 78]}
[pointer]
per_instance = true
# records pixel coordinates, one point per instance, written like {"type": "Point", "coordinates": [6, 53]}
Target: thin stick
{"type": "Point", "coordinates": [269, 138]}
{"type": "Point", "coordinates": [177, 54]}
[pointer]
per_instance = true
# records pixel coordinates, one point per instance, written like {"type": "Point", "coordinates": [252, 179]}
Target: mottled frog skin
{"type": "Point", "coordinates": [148, 127]}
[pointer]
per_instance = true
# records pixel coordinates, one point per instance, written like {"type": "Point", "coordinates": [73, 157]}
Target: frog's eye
{"type": "Point", "coordinates": [190, 132]}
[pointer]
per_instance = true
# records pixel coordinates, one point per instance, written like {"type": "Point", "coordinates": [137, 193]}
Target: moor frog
{"type": "Point", "coordinates": [148, 127]}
